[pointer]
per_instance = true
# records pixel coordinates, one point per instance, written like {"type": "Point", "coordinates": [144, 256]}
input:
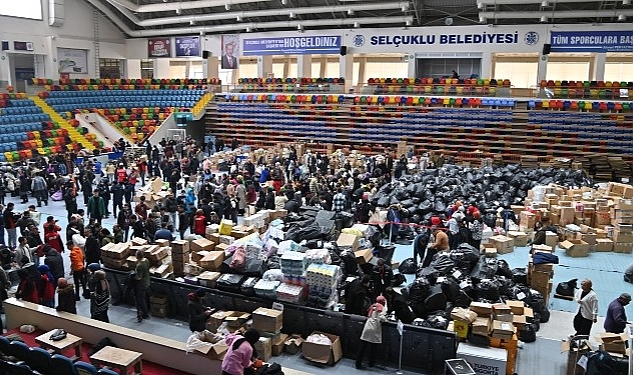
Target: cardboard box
{"type": "Point", "coordinates": [162, 243]}
{"type": "Point", "coordinates": [237, 318]}
{"type": "Point", "coordinates": [520, 238]}
{"type": "Point", "coordinates": [137, 241]}
{"type": "Point", "coordinates": [226, 226]}
{"type": "Point", "coordinates": [208, 278]}
{"type": "Point", "coordinates": [539, 279]}
{"type": "Point", "coordinates": [348, 241]}
{"type": "Point", "coordinates": [460, 328]}
{"type": "Point", "coordinates": [575, 248]}
{"type": "Point", "coordinates": [516, 307]}
{"type": "Point", "coordinates": [502, 330]}
{"type": "Point", "coordinates": [212, 261]}
{"type": "Point", "coordinates": [519, 322]}
{"type": "Point", "coordinates": [326, 354]}
{"type": "Point", "coordinates": [503, 244]}
{"type": "Point", "coordinates": [589, 238]}
{"type": "Point", "coordinates": [481, 308]}
{"type": "Point", "coordinates": [180, 246]}
{"type": "Point", "coordinates": [611, 342]}
{"type": "Point", "coordinates": [363, 256]}
{"type": "Point", "coordinates": [604, 245]}
{"type": "Point", "coordinates": [481, 326]}
{"type": "Point", "coordinates": [293, 344]}
{"type": "Point", "coordinates": [490, 252]}
{"type": "Point", "coordinates": [264, 348]}
{"type": "Point", "coordinates": [202, 244]}
{"type": "Point", "coordinates": [463, 315]}
{"type": "Point", "coordinates": [501, 309]}
{"type": "Point", "coordinates": [278, 346]}
{"type": "Point", "coordinates": [625, 248]}
{"type": "Point", "coordinates": [545, 248]}
{"type": "Point", "coordinates": [527, 219]}
{"type": "Point", "coordinates": [213, 351]}
{"type": "Point", "coordinates": [268, 320]}
{"type": "Point", "coordinates": [622, 237]}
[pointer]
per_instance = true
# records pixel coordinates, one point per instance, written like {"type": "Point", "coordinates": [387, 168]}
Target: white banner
{"type": "Point", "coordinates": [74, 61]}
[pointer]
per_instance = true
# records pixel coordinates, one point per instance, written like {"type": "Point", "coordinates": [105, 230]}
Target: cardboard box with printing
{"type": "Point", "coordinates": [481, 326]}
{"type": "Point", "coordinates": [619, 236]}
{"type": "Point", "coordinates": [622, 247]}
{"type": "Point", "coordinates": [503, 330]}
{"type": "Point", "coordinates": [326, 353]}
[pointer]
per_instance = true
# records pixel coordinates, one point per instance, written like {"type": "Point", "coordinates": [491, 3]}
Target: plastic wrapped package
{"type": "Point", "coordinates": [293, 263]}
{"type": "Point", "coordinates": [290, 293]}
{"type": "Point", "coordinates": [266, 289]}
{"type": "Point", "coordinates": [318, 256]}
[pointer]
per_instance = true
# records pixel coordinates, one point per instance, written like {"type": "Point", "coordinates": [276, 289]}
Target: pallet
{"type": "Point", "coordinates": [566, 298]}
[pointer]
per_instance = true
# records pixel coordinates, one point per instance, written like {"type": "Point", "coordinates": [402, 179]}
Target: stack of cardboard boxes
{"type": "Point", "coordinates": [180, 253]}
{"type": "Point", "coordinates": [540, 276]}
{"type": "Point", "coordinates": [269, 323]}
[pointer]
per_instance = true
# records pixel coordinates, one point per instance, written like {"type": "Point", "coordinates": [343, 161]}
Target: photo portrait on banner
{"type": "Point", "coordinates": [230, 51]}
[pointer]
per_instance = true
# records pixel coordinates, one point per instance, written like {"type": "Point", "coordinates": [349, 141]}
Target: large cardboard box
{"type": "Point", "coordinates": [348, 241]}
{"type": "Point", "coordinates": [589, 238]}
{"type": "Point", "coordinates": [363, 256]}
{"type": "Point", "coordinates": [213, 351]}
{"type": "Point", "coordinates": [264, 348]}
{"type": "Point", "coordinates": [611, 342]}
{"type": "Point", "coordinates": [481, 326]}
{"type": "Point", "coordinates": [622, 237]}
{"type": "Point", "coordinates": [268, 320]}
{"type": "Point", "coordinates": [202, 244]}
{"type": "Point", "coordinates": [520, 238]}
{"type": "Point", "coordinates": [620, 247]}
{"type": "Point", "coordinates": [212, 261]}
{"type": "Point", "coordinates": [463, 315]}
{"type": "Point", "coordinates": [503, 330]}
{"type": "Point", "coordinates": [208, 278]}
{"type": "Point", "coordinates": [326, 354]}
{"type": "Point", "coordinates": [503, 244]}
{"type": "Point", "coordinates": [293, 344]}
{"type": "Point", "coordinates": [575, 248]}
{"type": "Point", "coordinates": [516, 307]}
{"type": "Point", "coordinates": [527, 219]}
{"type": "Point", "coordinates": [604, 245]}
{"type": "Point", "coordinates": [481, 308]}
{"type": "Point", "coordinates": [278, 345]}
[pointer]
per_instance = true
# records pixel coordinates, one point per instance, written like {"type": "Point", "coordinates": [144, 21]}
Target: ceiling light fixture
{"type": "Point", "coordinates": [227, 6]}
{"type": "Point", "coordinates": [482, 19]}
{"type": "Point", "coordinates": [356, 25]}
{"type": "Point", "coordinates": [291, 15]}
{"type": "Point", "coordinates": [545, 4]}
{"type": "Point", "coordinates": [544, 19]}
{"type": "Point", "coordinates": [621, 17]}
{"type": "Point", "coordinates": [248, 29]}
{"type": "Point", "coordinates": [238, 18]}
{"type": "Point", "coordinates": [350, 12]}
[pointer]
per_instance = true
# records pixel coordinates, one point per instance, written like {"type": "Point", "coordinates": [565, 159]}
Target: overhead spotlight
{"type": "Point", "coordinates": [284, 2]}
{"type": "Point", "coordinates": [621, 17]}
{"type": "Point", "coordinates": [238, 18]}
{"type": "Point", "coordinates": [626, 2]}
{"type": "Point", "coordinates": [227, 6]}
{"type": "Point", "coordinates": [405, 7]}
{"type": "Point", "coordinates": [545, 4]}
{"type": "Point", "coordinates": [481, 5]}
{"type": "Point", "coordinates": [544, 19]}
{"type": "Point", "coordinates": [291, 15]}
{"type": "Point", "coordinates": [178, 11]}
{"type": "Point", "coordinates": [300, 27]}
{"type": "Point", "coordinates": [356, 25]}
{"type": "Point", "coordinates": [350, 12]}
{"type": "Point", "coordinates": [482, 19]}
{"type": "Point", "coordinates": [248, 29]}
{"type": "Point", "coordinates": [201, 32]}
{"type": "Point", "coordinates": [408, 23]}
{"type": "Point", "coordinates": [192, 22]}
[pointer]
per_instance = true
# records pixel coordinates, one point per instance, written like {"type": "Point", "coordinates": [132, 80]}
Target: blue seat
{"type": "Point", "coordinates": [4, 343]}
{"type": "Point", "coordinates": [19, 350]}
{"type": "Point", "coordinates": [62, 365]}
{"type": "Point", "coordinates": [39, 360]}
{"type": "Point", "coordinates": [104, 371]}
{"type": "Point", "coordinates": [85, 368]}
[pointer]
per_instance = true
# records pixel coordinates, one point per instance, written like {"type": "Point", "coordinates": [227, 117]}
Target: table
{"type": "Point", "coordinates": [118, 358]}
{"type": "Point", "coordinates": [58, 347]}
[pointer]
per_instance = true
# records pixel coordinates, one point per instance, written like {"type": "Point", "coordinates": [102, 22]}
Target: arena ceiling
{"type": "Point", "coordinates": [147, 18]}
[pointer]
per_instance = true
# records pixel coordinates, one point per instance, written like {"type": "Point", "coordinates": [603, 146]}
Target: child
{"type": "Point", "coordinates": [66, 296]}
{"type": "Point", "coordinates": [46, 286]}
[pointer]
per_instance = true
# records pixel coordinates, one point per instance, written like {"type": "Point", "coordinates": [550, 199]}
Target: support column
{"type": "Point", "coordinates": [410, 67]}
{"type": "Point", "coordinates": [264, 66]}
{"type": "Point", "coordinates": [51, 65]}
{"type": "Point", "coordinates": [362, 65]}
{"type": "Point", "coordinates": [323, 67]}
{"type": "Point", "coordinates": [211, 67]}
{"type": "Point", "coordinates": [304, 66]}
{"type": "Point", "coordinates": [4, 69]}
{"type": "Point", "coordinates": [133, 68]}
{"type": "Point", "coordinates": [161, 68]}
{"type": "Point", "coordinates": [597, 66]}
{"type": "Point", "coordinates": [287, 62]}
{"type": "Point", "coordinates": [541, 72]}
{"type": "Point", "coordinates": [486, 66]}
{"type": "Point", "coordinates": [346, 69]}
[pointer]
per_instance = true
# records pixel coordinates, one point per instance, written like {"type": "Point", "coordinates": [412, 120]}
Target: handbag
{"type": "Point", "coordinates": [58, 335]}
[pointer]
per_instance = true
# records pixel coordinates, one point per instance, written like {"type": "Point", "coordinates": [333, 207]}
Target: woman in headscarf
{"type": "Point", "coordinates": [241, 352]}
{"type": "Point", "coordinates": [372, 332]}
{"type": "Point", "coordinates": [198, 312]}
{"type": "Point", "coordinates": [99, 293]}
{"type": "Point", "coordinates": [46, 286]}
{"type": "Point", "coordinates": [27, 288]}
{"type": "Point", "coordinates": [66, 299]}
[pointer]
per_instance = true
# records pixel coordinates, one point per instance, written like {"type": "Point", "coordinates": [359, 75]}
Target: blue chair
{"type": "Point", "coordinates": [62, 365]}
{"type": "Point", "coordinates": [20, 368]}
{"type": "Point", "coordinates": [85, 368]}
{"type": "Point", "coordinates": [104, 371]}
{"type": "Point", "coordinates": [39, 360]}
{"type": "Point", "coordinates": [4, 344]}
{"type": "Point", "coordinates": [19, 350]}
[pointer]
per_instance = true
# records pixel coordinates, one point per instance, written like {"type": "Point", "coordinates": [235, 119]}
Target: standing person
{"type": "Point", "coordinates": [198, 312]}
{"type": "Point", "coordinates": [96, 207]}
{"type": "Point", "coordinates": [92, 248]}
{"type": "Point", "coordinates": [240, 354]}
{"type": "Point", "coordinates": [23, 253]}
{"type": "Point", "coordinates": [51, 234]}
{"type": "Point", "coordinates": [199, 223]}
{"type": "Point", "coordinates": [2, 225]}
{"type": "Point", "coordinates": [10, 224]}
{"type": "Point", "coordinates": [615, 321]}
{"type": "Point", "coordinates": [27, 287]}
{"type": "Point", "coordinates": [77, 268]}
{"type": "Point", "coordinates": [70, 201]}
{"type": "Point", "coordinates": [117, 197]}
{"type": "Point", "coordinates": [47, 286]}
{"type": "Point", "coordinates": [99, 294]}
{"type": "Point", "coordinates": [53, 259]}
{"type": "Point", "coordinates": [357, 296]}
{"type": "Point", "coordinates": [372, 332]}
{"type": "Point", "coordinates": [382, 277]}
{"type": "Point", "coordinates": [141, 285]}
{"type": "Point", "coordinates": [38, 188]}
{"type": "Point", "coordinates": [588, 310]}
{"type": "Point", "coordinates": [476, 230]}
{"type": "Point", "coordinates": [420, 243]}
{"type": "Point", "coordinates": [123, 219]}
{"type": "Point", "coordinates": [66, 297]}
{"type": "Point", "coordinates": [183, 221]}
{"type": "Point", "coordinates": [141, 210]}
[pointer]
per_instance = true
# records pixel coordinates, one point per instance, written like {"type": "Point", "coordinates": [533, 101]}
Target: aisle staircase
{"type": "Point", "coordinates": [74, 135]}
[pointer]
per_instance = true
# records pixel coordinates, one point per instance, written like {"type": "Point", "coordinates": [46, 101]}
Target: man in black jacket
{"type": "Point", "coordinates": [357, 296]}
{"type": "Point", "coordinates": [382, 277]}
{"type": "Point", "coordinates": [92, 249]}
{"type": "Point", "coordinates": [54, 261]}
{"type": "Point", "coordinates": [117, 197]}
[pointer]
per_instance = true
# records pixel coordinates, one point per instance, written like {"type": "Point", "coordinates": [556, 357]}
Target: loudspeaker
{"type": "Point", "coordinates": [343, 51]}
{"type": "Point", "coordinates": [547, 48]}
{"type": "Point", "coordinates": [206, 54]}
{"type": "Point", "coordinates": [5, 45]}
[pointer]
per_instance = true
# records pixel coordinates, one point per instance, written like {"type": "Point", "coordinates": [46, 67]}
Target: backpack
{"type": "Point", "coordinates": [102, 344]}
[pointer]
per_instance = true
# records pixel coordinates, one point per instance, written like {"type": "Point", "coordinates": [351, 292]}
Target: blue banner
{"type": "Point", "coordinates": [188, 46]}
{"type": "Point", "coordinates": [292, 45]}
{"type": "Point", "coordinates": [592, 41]}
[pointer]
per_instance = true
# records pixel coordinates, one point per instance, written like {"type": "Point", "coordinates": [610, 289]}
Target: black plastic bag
{"type": "Point", "coordinates": [399, 279]}
{"type": "Point", "coordinates": [488, 290]}
{"type": "Point", "coordinates": [455, 295]}
{"type": "Point", "coordinates": [485, 268]}
{"type": "Point", "coordinates": [519, 276]}
{"type": "Point", "coordinates": [544, 315]}
{"type": "Point", "coordinates": [528, 334]}
{"type": "Point", "coordinates": [418, 290]}
{"type": "Point", "coordinates": [442, 263]}
{"type": "Point", "coordinates": [408, 266]}
{"type": "Point", "coordinates": [465, 257]}
{"type": "Point", "coordinates": [567, 288]}
{"type": "Point", "coordinates": [537, 302]}
{"type": "Point", "coordinates": [436, 320]}
{"type": "Point", "coordinates": [428, 273]}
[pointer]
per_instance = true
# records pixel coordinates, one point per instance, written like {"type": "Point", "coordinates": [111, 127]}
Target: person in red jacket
{"type": "Point", "coordinates": [27, 288]}
{"type": "Point", "coordinates": [47, 286]}
{"type": "Point", "coordinates": [199, 223]}
{"type": "Point", "coordinates": [121, 173]}
{"type": "Point", "coordinates": [51, 235]}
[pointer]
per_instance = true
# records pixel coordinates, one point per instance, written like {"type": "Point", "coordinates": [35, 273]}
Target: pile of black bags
{"type": "Point", "coordinates": [429, 192]}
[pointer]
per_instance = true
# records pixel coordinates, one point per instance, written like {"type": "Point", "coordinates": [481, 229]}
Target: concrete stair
{"type": "Point", "coordinates": [74, 135]}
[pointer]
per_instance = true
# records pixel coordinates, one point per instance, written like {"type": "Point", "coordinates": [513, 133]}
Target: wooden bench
{"type": "Point", "coordinates": [163, 351]}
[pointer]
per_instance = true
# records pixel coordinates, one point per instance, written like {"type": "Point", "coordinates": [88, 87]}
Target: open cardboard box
{"type": "Point", "coordinates": [612, 342]}
{"type": "Point", "coordinates": [326, 354]}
